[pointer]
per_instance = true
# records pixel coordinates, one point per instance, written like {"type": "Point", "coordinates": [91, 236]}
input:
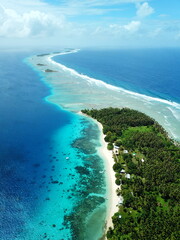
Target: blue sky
{"type": "Point", "coordinates": [90, 23]}
{"type": "Point", "coordinates": [126, 8]}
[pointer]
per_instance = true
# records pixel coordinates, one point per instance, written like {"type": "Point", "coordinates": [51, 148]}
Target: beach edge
{"type": "Point", "coordinates": [107, 156]}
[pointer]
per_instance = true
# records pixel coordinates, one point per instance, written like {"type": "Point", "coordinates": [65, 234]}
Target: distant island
{"type": "Point", "coordinates": [41, 65]}
{"type": "Point", "coordinates": [49, 70]}
{"type": "Point", "coordinates": [147, 171]}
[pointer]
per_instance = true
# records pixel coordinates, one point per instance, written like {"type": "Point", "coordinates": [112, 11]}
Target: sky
{"type": "Point", "coordinates": [90, 23]}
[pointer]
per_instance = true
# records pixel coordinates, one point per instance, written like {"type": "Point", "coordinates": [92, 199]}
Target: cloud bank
{"type": "Point", "coordinates": [144, 10]}
{"type": "Point", "coordinates": [114, 23]}
{"type": "Point", "coordinates": [28, 24]}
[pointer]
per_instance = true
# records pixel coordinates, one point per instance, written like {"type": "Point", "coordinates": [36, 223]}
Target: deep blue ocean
{"type": "Point", "coordinates": [153, 72]}
{"type": "Point", "coordinates": [26, 124]}
{"type": "Point", "coordinates": [49, 168]}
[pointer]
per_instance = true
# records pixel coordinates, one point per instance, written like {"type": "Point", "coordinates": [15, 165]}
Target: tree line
{"type": "Point", "coordinates": [151, 192]}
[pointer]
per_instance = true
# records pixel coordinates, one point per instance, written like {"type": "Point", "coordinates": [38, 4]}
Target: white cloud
{"type": "Point", "coordinates": [163, 15]}
{"type": "Point", "coordinates": [156, 32]}
{"type": "Point", "coordinates": [126, 29]}
{"type": "Point", "coordinates": [28, 24]}
{"type": "Point", "coordinates": [144, 10]}
{"type": "Point", "coordinates": [90, 7]}
{"type": "Point", "coordinates": [133, 26]}
{"type": "Point", "coordinates": [87, 22]}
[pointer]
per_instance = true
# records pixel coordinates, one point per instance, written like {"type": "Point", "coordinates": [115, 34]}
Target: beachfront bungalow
{"type": "Point", "coordinates": [120, 201]}
{"type": "Point", "coordinates": [116, 147]}
{"type": "Point", "coordinates": [125, 151]}
{"type": "Point", "coordinates": [122, 171]}
{"type": "Point", "coordinates": [116, 150]}
{"type": "Point", "coordinates": [128, 176]}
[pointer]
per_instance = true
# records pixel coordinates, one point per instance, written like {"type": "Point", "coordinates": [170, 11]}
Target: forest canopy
{"type": "Point", "coordinates": [147, 166]}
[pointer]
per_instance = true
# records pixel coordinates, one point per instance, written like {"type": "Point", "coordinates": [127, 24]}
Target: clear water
{"type": "Point", "coordinates": [154, 72]}
{"type": "Point", "coordinates": [51, 187]}
{"type": "Point", "coordinates": [49, 165]}
{"type": "Point", "coordinates": [146, 80]}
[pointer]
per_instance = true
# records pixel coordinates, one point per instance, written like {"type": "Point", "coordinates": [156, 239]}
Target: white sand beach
{"type": "Point", "coordinates": [110, 174]}
{"type": "Point", "coordinates": [107, 155]}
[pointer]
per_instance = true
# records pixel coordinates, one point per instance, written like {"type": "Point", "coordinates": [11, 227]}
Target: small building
{"type": "Point", "coordinates": [122, 171]}
{"type": "Point", "coordinates": [116, 147]}
{"type": "Point", "coordinates": [142, 160]}
{"type": "Point", "coordinates": [125, 151]}
{"type": "Point", "coordinates": [120, 202]}
{"type": "Point", "coordinates": [128, 176]}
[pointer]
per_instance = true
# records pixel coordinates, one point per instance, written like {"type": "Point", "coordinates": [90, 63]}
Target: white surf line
{"type": "Point", "coordinates": [175, 114]}
{"type": "Point", "coordinates": [109, 86]}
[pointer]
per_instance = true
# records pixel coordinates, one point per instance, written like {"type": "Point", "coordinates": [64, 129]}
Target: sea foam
{"type": "Point", "coordinates": [101, 83]}
{"type": "Point", "coordinates": [74, 91]}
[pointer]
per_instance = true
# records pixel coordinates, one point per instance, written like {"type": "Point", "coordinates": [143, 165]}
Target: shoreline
{"type": "Point", "coordinates": [107, 85]}
{"type": "Point", "coordinates": [167, 115]}
{"type": "Point", "coordinates": [107, 156]}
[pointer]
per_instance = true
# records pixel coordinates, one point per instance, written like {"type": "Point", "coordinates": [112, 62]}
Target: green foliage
{"type": "Point", "coordinates": [118, 175]}
{"type": "Point", "coordinates": [132, 167]}
{"type": "Point", "coordinates": [118, 182]}
{"type": "Point", "coordinates": [118, 142]}
{"type": "Point", "coordinates": [108, 136]}
{"type": "Point", "coordinates": [110, 146]}
{"type": "Point", "coordinates": [110, 233]}
{"type": "Point", "coordinates": [119, 119]}
{"type": "Point", "coordinates": [117, 167]}
{"type": "Point", "coordinates": [151, 196]}
{"type": "Point", "coordinates": [128, 198]}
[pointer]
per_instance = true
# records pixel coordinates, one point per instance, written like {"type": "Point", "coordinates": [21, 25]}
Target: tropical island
{"type": "Point", "coordinates": [147, 171]}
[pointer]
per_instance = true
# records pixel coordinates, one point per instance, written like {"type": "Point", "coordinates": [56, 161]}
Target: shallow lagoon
{"type": "Point", "coordinates": [75, 91]}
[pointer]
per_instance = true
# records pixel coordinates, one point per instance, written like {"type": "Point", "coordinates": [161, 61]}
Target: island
{"type": "Point", "coordinates": [50, 71]}
{"type": "Point", "coordinates": [40, 64]}
{"type": "Point", "coordinates": [42, 55]}
{"type": "Point", "coordinates": [147, 171]}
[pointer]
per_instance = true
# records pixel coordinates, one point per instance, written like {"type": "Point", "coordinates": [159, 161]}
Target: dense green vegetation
{"type": "Point", "coordinates": [148, 170]}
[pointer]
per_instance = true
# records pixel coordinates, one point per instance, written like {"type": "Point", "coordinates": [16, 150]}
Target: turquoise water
{"type": "Point", "coordinates": [73, 187]}
{"type": "Point", "coordinates": [50, 184]}
{"type": "Point", "coordinates": [153, 72]}
{"type": "Point", "coordinates": [75, 90]}
{"type": "Point", "coordinates": [49, 151]}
